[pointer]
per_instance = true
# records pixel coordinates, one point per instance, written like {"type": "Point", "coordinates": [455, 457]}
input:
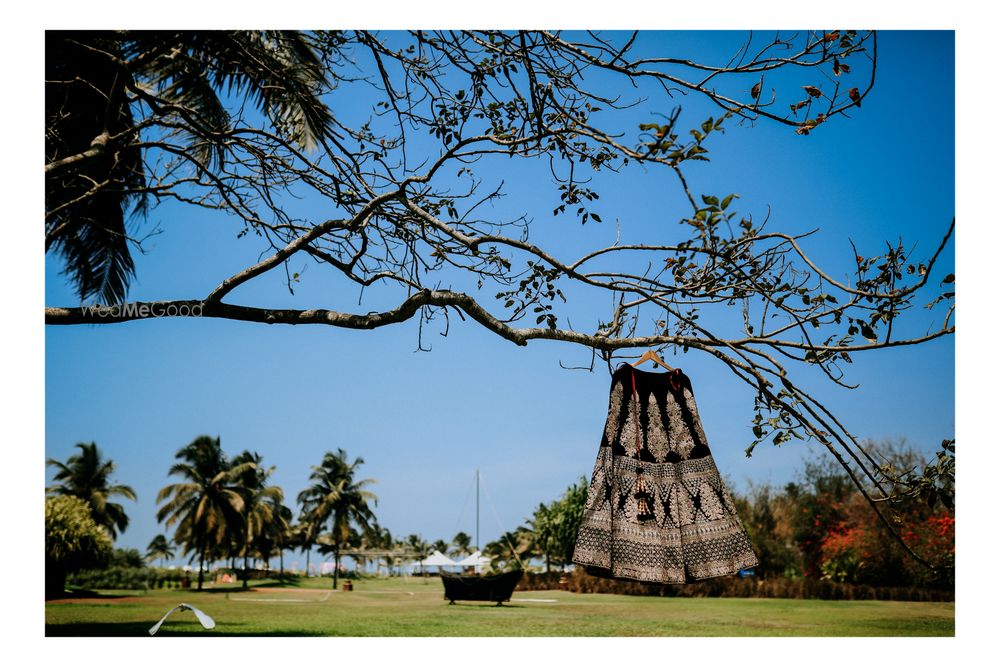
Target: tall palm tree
{"type": "Point", "coordinates": [88, 476]}
{"type": "Point", "coordinates": [159, 547]}
{"type": "Point", "coordinates": [440, 546]}
{"type": "Point", "coordinates": [207, 506]}
{"type": "Point", "coordinates": [460, 544]}
{"type": "Point", "coordinates": [261, 506]}
{"type": "Point", "coordinates": [336, 496]}
{"type": "Point", "coordinates": [105, 87]}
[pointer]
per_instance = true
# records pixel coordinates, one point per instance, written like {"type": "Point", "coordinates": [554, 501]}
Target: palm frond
{"type": "Point", "coordinates": [88, 206]}
{"type": "Point", "coordinates": [281, 73]}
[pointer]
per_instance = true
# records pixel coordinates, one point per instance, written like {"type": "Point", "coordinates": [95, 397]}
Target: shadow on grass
{"type": "Point", "coordinates": [80, 593]}
{"type": "Point", "coordinates": [484, 605]}
{"type": "Point", "coordinates": [84, 594]}
{"type": "Point", "coordinates": [136, 629]}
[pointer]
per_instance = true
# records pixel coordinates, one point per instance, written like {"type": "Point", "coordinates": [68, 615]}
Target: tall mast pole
{"type": "Point", "coordinates": [477, 509]}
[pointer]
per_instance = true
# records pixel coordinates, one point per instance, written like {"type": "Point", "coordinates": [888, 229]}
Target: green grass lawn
{"type": "Point", "coordinates": [415, 607]}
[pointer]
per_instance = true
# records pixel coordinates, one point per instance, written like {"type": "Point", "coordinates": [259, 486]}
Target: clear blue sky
{"type": "Point", "coordinates": [424, 422]}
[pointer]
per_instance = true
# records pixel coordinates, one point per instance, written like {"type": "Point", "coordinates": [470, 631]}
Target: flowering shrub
{"type": "Point", "coordinates": [933, 538]}
{"type": "Point", "coordinates": [844, 555]}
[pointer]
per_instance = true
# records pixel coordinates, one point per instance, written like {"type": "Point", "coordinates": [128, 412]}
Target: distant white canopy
{"type": "Point", "coordinates": [475, 559]}
{"type": "Point", "coordinates": [437, 558]}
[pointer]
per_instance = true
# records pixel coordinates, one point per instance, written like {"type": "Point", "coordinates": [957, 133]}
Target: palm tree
{"type": "Point", "coordinates": [541, 526]}
{"type": "Point", "coordinates": [360, 543]}
{"type": "Point", "coordinates": [303, 536]}
{"type": "Point", "coordinates": [278, 534]}
{"type": "Point", "coordinates": [337, 497]}
{"type": "Point", "coordinates": [159, 547]}
{"type": "Point", "coordinates": [261, 506]}
{"type": "Point", "coordinates": [103, 87]}
{"type": "Point", "coordinates": [87, 476]}
{"type": "Point", "coordinates": [569, 513]}
{"type": "Point", "coordinates": [461, 543]}
{"type": "Point", "coordinates": [380, 538]}
{"type": "Point", "coordinates": [209, 505]}
{"type": "Point", "coordinates": [440, 546]}
{"type": "Point", "coordinates": [420, 548]}
{"type": "Point", "coordinates": [511, 549]}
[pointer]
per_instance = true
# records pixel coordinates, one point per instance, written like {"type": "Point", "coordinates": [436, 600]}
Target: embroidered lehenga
{"type": "Point", "coordinates": [657, 509]}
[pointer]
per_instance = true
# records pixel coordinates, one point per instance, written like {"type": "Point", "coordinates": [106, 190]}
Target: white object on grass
{"type": "Point", "coordinates": [206, 621]}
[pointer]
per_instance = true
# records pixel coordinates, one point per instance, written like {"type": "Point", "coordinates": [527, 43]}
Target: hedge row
{"type": "Point", "coordinates": [125, 578]}
{"type": "Point", "coordinates": [579, 581]}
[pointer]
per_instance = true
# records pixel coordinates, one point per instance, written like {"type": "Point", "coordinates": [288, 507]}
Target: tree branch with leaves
{"type": "Point", "coordinates": [396, 139]}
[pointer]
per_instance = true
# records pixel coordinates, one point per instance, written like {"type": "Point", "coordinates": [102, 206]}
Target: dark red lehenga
{"type": "Point", "coordinates": [657, 509]}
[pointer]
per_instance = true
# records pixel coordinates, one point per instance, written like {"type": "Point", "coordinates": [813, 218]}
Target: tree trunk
{"type": "Point", "coordinates": [308, 552]}
{"type": "Point", "coordinates": [336, 566]}
{"type": "Point", "coordinates": [201, 566]}
{"type": "Point", "coordinates": [55, 581]}
{"type": "Point", "coordinates": [246, 570]}
{"type": "Point", "coordinates": [281, 564]}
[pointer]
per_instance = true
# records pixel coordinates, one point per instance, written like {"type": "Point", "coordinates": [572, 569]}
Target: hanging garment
{"type": "Point", "coordinates": [657, 509]}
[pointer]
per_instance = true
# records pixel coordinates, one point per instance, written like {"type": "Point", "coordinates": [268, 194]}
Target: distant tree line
{"type": "Point", "coordinates": [818, 527]}
{"type": "Point", "coordinates": [223, 509]}
{"type": "Point", "coordinates": [226, 510]}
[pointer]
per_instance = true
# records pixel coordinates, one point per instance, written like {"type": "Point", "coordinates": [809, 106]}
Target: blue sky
{"type": "Point", "coordinates": [424, 422]}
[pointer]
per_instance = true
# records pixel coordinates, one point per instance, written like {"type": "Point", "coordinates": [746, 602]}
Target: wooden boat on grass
{"type": "Point", "coordinates": [480, 587]}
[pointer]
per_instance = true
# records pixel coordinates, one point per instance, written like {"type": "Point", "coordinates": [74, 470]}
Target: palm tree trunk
{"type": "Point", "coordinates": [281, 564]}
{"type": "Point", "coordinates": [308, 552]}
{"type": "Point", "coordinates": [336, 565]}
{"type": "Point", "coordinates": [246, 569]}
{"type": "Point", "coordinates": [201, 566]}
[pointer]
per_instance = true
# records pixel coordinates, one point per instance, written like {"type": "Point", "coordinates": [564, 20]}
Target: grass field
{"type": "Point", "coordinates": [415, 608]}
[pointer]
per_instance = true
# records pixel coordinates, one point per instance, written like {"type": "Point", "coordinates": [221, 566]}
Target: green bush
{"type": "Point", "coordinates": [126, 578]}
{"type": "Point", "coordinates": [72, 540]}
{"type": "Point", "coordinates": [579, 581]}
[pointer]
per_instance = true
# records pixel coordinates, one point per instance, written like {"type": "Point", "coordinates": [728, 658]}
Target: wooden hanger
{"type": "Point", "coordinates": [651, 355]}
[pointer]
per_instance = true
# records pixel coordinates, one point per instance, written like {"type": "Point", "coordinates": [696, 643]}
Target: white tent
{"type": "Point", "coordinates": [476, 560]}
{"type": "Point", "coordinates": [437, 559]}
